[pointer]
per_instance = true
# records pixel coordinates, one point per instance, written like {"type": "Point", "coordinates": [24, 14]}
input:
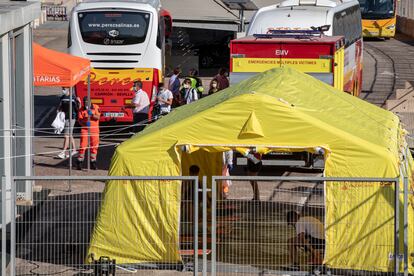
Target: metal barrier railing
{"type": "Point", "coordinates": [235, 235]}
{"type": "Point", "coordinates": [258, 237]}
{"type": "Point", "coordinates": [52, 236]}
{"type": "Point", "coordinates": [55, 12]}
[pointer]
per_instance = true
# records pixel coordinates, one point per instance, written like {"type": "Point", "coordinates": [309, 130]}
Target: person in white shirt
{"type": "Point", "coordinates": [310, 235]}
{"type": "Point", "coordinates": [165, 99]}
{"type": "Point", "coordinates": [141, 105]}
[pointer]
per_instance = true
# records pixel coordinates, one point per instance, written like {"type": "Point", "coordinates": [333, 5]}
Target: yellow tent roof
{"type": "Point", "coordinates": [281, 109]}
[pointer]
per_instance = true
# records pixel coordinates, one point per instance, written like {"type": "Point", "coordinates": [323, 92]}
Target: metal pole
{"type": "Point", "coordinates": [88, 162]}
{"type": "Point", "coordinates": [70, 138]}
{"type": "Point", "coordinates": [213, 225]}
{"type": "Point", "coordinates": [205, 226]}
{"type": "Point", "coordinates": [396, 228]}
{"type": "Point", "coordinates": [405, 226]}
{"type": "Point", "coordinates": [13, 214]}
{"type": "Point", "coordinates": [241, 18]}
{"type": "Point", "coordinates": [3, 226]}
{"type": "Point", "coordinates": [195, 224]}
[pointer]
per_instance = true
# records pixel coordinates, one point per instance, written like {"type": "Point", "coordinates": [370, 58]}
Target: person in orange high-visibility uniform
{"type": "Point", "coordinates": [92, 112]}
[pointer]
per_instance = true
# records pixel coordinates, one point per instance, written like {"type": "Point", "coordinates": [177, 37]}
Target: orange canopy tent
{"type": "Point", "coordinates": [52, 68]}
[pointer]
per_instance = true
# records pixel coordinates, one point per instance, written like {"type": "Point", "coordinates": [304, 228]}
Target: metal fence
{"type": "Point", "coordinates": [52, 235]}
{"type": "Point", "coordinates": [258, 237]}
{"type": "Point", "coordinates": [217, 236]}
{"type": "Point", "coordinates": [55, 12]}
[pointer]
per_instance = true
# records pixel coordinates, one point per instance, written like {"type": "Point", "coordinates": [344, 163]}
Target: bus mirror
{"type": "Point", "coordinates": [325, 28]}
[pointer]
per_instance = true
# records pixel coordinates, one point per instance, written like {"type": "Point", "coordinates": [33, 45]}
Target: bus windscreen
{"type": "Point", "coordinates": [377, 9]}
{"type": "Point", "coordinates": [113, 28]}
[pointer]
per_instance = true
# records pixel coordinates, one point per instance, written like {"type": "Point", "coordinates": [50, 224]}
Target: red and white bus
{"type": "Point", "coordinates": [125, 41]}
{"type": "Point", "coordinates": [275, 40]}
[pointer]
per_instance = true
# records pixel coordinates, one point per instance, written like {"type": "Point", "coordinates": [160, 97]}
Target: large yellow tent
{"type": "Point", "coordinates": [279, 110]}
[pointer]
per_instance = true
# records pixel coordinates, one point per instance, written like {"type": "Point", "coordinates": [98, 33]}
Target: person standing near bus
{"type": "Point", "coordinates": [174, 86]}
{"type": "Point", "coordinates": [214, 87]}
{"type": "Point", "coordinates": [64, 106]}
{"type": "Point", "coordinates": [196, 82]}
{"type": "Point", "coordinates": [188, 94]}
{"type": "Point", "coordinates": [141, 105]}
{"type": "Point", "coordinates": [165, 99]}
{"type": "Point", "coordinates": [221, 77]}
{"type": "Point", "coordinates": [91, 128]}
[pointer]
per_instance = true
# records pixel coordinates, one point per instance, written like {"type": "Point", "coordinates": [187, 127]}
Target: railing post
{"type": "Point", "coordinates": [13, 210]}
{"type": "Point", "coordinates": [205, 226]}
{"type": "Point", "coordinates": [195, 224]}
{"type": "Point", "coordinates": [396, 228]}
{"type": "Point", "coordinates": [405, 226]}
{"type": "Point", "coordinates": [213, 225]}
{"type": "Point", "coordinates": [3, 226]}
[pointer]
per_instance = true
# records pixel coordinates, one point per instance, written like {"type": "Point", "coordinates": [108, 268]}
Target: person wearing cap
{"type": "Point", "coordinates": [141, 106]}
{"type": "Point", "coordinates": [91, 112]}
{"type": "Point", "coordinates": [310, 235]}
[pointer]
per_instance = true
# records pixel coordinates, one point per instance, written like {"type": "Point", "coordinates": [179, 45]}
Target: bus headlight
{"type": "Point", "coordinates": [390, 27]}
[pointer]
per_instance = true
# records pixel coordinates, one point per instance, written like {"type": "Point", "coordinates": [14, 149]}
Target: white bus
{"type": "Point", "coordinates": [342, 16]}
{"type": "Point", "coordinates": [125, 41]}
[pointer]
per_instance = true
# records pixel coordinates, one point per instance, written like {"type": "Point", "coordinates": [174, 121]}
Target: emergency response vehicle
{"type": "Point", "coordinates": [319, 56]}
{"type": "Point", "coordinates": [305, 34]}
{"type": "Point", "coordinates": [125, 41]}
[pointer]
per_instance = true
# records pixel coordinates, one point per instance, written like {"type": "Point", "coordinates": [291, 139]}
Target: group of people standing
{"type": "Point", "coordinates": [192, 87]}
{"type": "Point", "coordinates": [173, 95]}
{"type": "Point", "coordinates": [87, 115]}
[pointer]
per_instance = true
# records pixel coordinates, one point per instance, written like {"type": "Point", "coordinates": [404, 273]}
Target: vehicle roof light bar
{"type": "Point", "coordinates": [315, 31]}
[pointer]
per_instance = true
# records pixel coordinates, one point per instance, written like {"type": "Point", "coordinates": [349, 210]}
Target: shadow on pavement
{"type": "Point", "coordinates": [58, 230]}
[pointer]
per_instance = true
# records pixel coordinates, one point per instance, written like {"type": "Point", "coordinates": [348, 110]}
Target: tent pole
{"type": "Point", "coordinates": [70, 136]}
{"type": "Point", "coordinates": [88, 162]}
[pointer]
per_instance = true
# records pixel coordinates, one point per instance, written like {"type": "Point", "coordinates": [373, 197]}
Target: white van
{"type": "Point", "coordinates": [342, 16]}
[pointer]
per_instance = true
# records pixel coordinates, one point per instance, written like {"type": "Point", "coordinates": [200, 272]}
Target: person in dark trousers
{"type": "Point", "coordinates": [174, 86]}
{"type": "Point", "coordinates": [254, 166]}
{"type": "Point", "coordinates": [141, 105]}
{"type": "Point", "coordinates": [64, 106]}
{"type": "Point", "coordinates": [310, 235]}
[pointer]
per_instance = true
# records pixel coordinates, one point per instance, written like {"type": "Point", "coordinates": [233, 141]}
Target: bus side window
{"type": "Point", "coordinates": [160, 33]}
{"type": "Point", "coordinates": [359, 23]}
{"type": "Point", "coordinates": [355, 24]}
{"type": "Point", "coordinates": [338, 26]}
